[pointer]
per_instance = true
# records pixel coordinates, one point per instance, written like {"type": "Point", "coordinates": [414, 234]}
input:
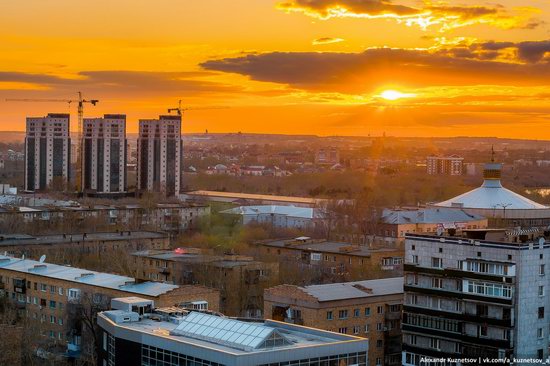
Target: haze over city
{"type": "Point", "coordinates": [327, 67]}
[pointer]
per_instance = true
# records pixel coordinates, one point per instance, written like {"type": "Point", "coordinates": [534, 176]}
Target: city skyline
{"type": "Point", "coordinates": [348, 67]}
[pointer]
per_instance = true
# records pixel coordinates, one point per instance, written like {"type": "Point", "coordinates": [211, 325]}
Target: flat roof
{"type": "Point", "coordinates": [250, 196]}
{"type": "Point", "coordinates": [356, 289]}
{"type": "Point", "coordinates": [84, 276]}
{"type": "Point", "coordinates": [22, 239]}
{"type": "Point", "coordinates": [292, 211]}
{"type": "Point", "coordinates": [327, 247]}
{"type": "Point", "coordinates": [209, 332]}
{"type": "Point", "coordinates": [210, 259]}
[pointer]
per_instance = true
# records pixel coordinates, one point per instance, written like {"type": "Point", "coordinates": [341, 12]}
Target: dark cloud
{"type": "Point", "coordinates": [121, 82]}
{"type": "Point", "coordinates": [361, 72]}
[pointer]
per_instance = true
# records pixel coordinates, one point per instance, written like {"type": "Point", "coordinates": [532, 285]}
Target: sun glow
{"type": "Point", "coordinates": [394, 95]}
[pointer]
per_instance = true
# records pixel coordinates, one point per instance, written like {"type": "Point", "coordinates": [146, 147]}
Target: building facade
{"type": "Point", "coordinates": [47, 152]}
{"type": "Point", "coordinates": [471, 297]}
{"type": "Point", "coordinates": [444, 165]}
{"type": "Point", "coordinates": [104, 154]}
{"type": "Point", "coordinates": [160, 155]}
{"type": "Point", "coordinates": [174, 337]}
{"type": "Point", "coordinates": [241, 280]}
{"type": "Point", "coordinates": [370, 309]}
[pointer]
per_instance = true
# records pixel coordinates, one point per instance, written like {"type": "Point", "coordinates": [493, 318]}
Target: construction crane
{"type": "Point", "coordinates": [80, 102]}
{"type": "Point", "coordinates": [179, 110]}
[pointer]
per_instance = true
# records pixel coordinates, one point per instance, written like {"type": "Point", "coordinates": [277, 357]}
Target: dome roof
{"type": "Point", "coordinates": [492, 195]}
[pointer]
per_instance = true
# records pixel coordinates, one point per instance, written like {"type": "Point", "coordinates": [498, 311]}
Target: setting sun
{"type": "Point", "coordinates": [394, 95]}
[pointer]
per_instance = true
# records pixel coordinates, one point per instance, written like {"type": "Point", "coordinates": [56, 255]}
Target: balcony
{"type": "Point", "coordinates": [393, 316]}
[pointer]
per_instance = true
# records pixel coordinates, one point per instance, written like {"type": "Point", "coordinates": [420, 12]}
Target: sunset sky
{"type": "Point", "coordinates": [326, 67]}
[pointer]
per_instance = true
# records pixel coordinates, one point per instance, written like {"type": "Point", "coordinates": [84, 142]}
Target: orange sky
{"type": "Point", "coordinates": [290, 66]}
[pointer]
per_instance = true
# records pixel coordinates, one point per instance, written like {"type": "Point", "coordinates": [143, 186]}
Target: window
{"type": "Point", "coordinates": [541, 312]}
{"type": "Point", "coordinates": [378, 361]}
{"type": "Point", "coordinates": [379, 343]}
{"type": "Point", "coordinates": [434, 343]}
{"type": "Point", "coordinates": [52, 319]}
{"type": "Point", "coordinates": [482, 310]}
{"type": "Point", "coordinates": [412, 339]}
{"type": "Point", "coordinates": [343, 314]}
{"type": "Point", "coordinates": [540, 354]}
{"type": "Point", "coordinates": [541, 270]}
{"type": "Point", "coordinates": [52, 304]}
{"type": "Point", "coordinates": [60, 291]}
{"type": "Point", "coordinates": [541, 290]}
{"type": "Point", "coordinates": [379, 327]}
{"type": "Point", "coordinates": [367, 328]}
{"type": "Point", "coordinates": [43, 287]}
{"type": "Point", "coordinates": [60, 321]}
{"type": "Point", "coordinates": [540, 333]}
{"type": "Point", "coordinates": [53, 289]}
{"type": "Point", "coordinates": [482, 330]}
{"type": "Point", "coordinates": [329, 315]}
{"type": "Point", "coordinates": [356, 329]}
{"type": "Point", "coordinates": [343, 330]}
{"type": "Point", "coordinates": [380, 309]}
{"type": "Point", "coordinates": [414, 259]}
{"type": "Point", "coordinates": [437, 282]}
{"type": "Point", "coordinates": [356, 313]}
{"type": "Point", "coordinates": [367, 311]}
{"type": "Point", "coordinates": [437, 263]}
{"type": "Point", "coordinates": [104, 341]}
{"type": "Point", "coordinates": [440, 250]}
{"type": "Point", "coordinates": [489, 289]}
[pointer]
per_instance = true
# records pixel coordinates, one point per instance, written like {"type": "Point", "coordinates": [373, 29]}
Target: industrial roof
{"type": "Point", "coordinates": [326, 247]}
{"type": "Point", "coordinates": [226, 331]}
{"type": "Point", "coordinates": [23, 239]}
{"type": "Point", "coordinates": [293, 211]}
{"type": "Point", "coordinates": [265, 197]}
{"type": "Point", "coordinates": [428, 216]}
{"type": "Point", "coordinates": [78, 275]}
{"type": "Point", "coordinates": [357, 289]}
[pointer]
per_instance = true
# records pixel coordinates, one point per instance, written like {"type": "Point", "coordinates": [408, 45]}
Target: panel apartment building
{"type": "Point", "coordinates": [47, 152]}
{"type": "Point", "coordinates": [51, 296]}
{"type": "Point", "coordinates": [170, 337]}
{"type": "Point", "coordinates": [444, 165]}
{"type": "Point", "coordinates": [370, 309]}
{"type": "Point", "coordinates": [160, 155]}
{"type": "Point", "coordinates": [104, 154]}
{"type": "Point", "coordinates": [482, 295]}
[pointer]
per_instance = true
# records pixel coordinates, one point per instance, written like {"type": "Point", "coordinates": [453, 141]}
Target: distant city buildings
{"type": "Point", "coordinates": [444, 165]}
{"type": "Point", "coordinates": [135, 334]}
{"type": "Point", "coordinates": [104, 154]}
{"type": "Point", "coordinates": [47, 152]}
{"type": "Point", "coordinates": [483, 294]}
{"type": "Point", "coordinates": [160, 155]}
{"type": "Point", "coordinates": [289, 217]}
{"type": "Point", "coordinates": [370, 309]}
{"type": "Point", "coordinates": [327, 156]}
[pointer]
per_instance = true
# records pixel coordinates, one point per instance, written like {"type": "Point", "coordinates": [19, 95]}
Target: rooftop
{"type": "Point", "coordinates": [259, 197]}
{"type": "Point", "coordinates": [83, 276]}
{"type": "Point", "coordinates": [193, 255]}
{"type": "Point", "coordinates": [293, 211]}
{"type": "Point", "coordinates": [311, 245]}
{"type": "Point", "coordinates": [229, 335]}
{"type": "Point", "coordinates": [23, 239]}
{"type": "Point", "coordinates": [428, 216]}
{"type": "Point", "coordinates": [357, 289]}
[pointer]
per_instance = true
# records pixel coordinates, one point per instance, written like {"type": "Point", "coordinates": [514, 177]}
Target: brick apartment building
{"type": "Point", "coordinates": [336, 259]}
{"type": "Point", "coordinates": [369, 309]}
{"type": "Point", "coordinates": [241, 280]}
{"type": "Point", "coordinates": [55, 299]}
{"type": "Point", "coordinates": [62, 247]}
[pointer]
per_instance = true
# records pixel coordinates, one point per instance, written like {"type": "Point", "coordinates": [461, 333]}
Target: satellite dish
{"type": "Point", "coordinates": [42, 258]}
{"type": "Point", "coordinates": [541, 241]}
{"type": "Point", "coordinates": [439, 231]}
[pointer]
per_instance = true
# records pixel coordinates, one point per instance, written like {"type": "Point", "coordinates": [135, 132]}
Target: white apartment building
{"type": "Point", "coordinates": [160, 155]}
{"type": "Point", "coordinates": [47, 152]}
{"type": "Point", "coordinates": [104, 154]}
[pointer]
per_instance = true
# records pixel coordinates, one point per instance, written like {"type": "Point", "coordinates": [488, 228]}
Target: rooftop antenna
{"type": "Point", "coordinates": [42, 258]}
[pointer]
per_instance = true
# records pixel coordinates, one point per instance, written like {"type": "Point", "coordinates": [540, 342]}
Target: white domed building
{"type": "Point", "coordinates": [495, 202]}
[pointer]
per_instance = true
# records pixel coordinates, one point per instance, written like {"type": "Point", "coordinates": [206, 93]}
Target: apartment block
{"type": "Point", "coordinates": [104, 154]}
{"type": "Point", "coordinates": [370, 309]}
{"type": "Point", "coordinates": [348, 261]}
{"type": "Point", "coordinates": [241, 280]}
{"type": "Point", "coordinates": [54, 298]}
{"type": "Point", "coordinates": [172, 336]}
{"type": "Point", "coordinates": [483, 294]}
{"type": "Point", "coordinates": [445, 165]}
{"type": "Point", "coordinates": [160, 155]}
{"type": "Point", "coordinates": [47, 152]}
{"type": "Point", "coordinates": [63, 248]}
